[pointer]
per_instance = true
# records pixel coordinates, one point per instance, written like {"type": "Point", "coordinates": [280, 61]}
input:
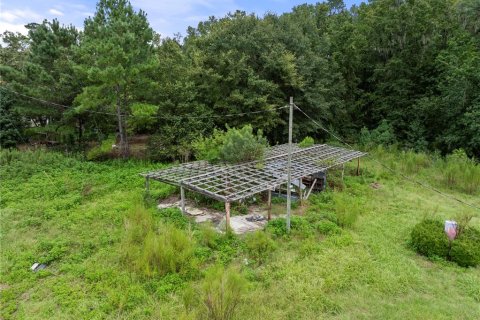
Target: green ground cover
{"type": "Point", "coordinates": [348, 257]}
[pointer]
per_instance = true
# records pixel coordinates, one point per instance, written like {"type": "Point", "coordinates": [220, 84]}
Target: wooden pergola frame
{"type": "Point", "coordinates": [234, 182]}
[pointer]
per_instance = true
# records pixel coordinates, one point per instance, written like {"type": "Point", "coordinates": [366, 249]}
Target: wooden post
{"type": "Point", "coordinates": [300, 191]}
{"type": "Point", "coordinates": [358, 166]}
{"type": "Point", "coordinates": [269, 216]}
{"type": "Point", "coordinates": [147, 185]}
{"type": "Point", "coordinates": [182, 199]}
{"type": "Point", "coordinates": [227, 216]}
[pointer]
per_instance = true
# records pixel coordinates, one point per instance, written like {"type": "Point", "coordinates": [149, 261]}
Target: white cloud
{"type": "Point", "coordinates": [13, 27]}
{"type": "Point", "coordinates": [170, 17]}
{"type": "Point", "coordinates": [15, 20]}
{"type": "Point", "coordinates": [55, 12]}
{"type": "Point", "coordinates": [19, 14]}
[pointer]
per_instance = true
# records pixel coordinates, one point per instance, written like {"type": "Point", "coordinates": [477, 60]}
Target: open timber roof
{"type": "Point", "coordinates": [228, 182]}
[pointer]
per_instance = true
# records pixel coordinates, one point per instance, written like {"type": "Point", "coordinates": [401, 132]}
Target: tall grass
{"type": "Point", "coordinates": [347, 208]}
{"type": "Point", "coordinates": [218, 296]}
{"type": "Point", "coordinates": [460, 172]}
{"type": "Point", "coordinates": [153, 248]}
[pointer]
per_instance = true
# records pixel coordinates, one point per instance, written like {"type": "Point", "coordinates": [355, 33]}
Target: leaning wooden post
{"type": "Point", "coordinates": [269, 216]}
{"type": "Point", "coordinates": [182, 199]}
{"type": "Point", "coordinates": [227, 216]}
{"type": "Point", "coordinates": [358, 166]}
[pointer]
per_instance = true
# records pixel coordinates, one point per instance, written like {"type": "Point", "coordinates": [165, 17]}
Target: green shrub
{"type": "Point", "coordinates": [143, 117]}
{"type": "Point", "coordinates": [218, 295]}
{"type": "Point", "coordinates": [465, 249]}
{"type": "Point", "coordinates": [175, 217]}
{"type": "Point", "coordinates": [428, 239]}
{"type": "Point", "coordinates": [259, 245]}
{"type": "Point", "coordinates": [314, 215]}
{"type": "Point", "coordinates": [207, 235]}
{"type": "Point", "coordinates": [299, 226]}
{"type": "Point", "coordinates": [327, 227]}
{"type": "Point", "coordinates": [232, 146]}
{"type": "Point", "coordinates": [306, 142]}
{"type": "Point", "coordinates": [102, 151]}
{"type": "Point", "coordinates": [382, 135]}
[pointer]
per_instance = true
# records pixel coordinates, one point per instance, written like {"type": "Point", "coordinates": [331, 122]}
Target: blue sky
{"type": "Point", "coordinates": [166, 17]}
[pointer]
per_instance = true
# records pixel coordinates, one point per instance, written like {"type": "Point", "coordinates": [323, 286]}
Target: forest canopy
{"type": "Point", "coordinates": [406, 72]}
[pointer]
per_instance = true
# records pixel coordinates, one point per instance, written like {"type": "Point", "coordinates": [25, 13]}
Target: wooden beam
{"type": "Point", "coordinates": [182, 199]}
{"type": "Point", "coordinates": [311, 188]}
{"type": "Point", "coordinates": [269, 203]}
{"type": "Point", "coordinates": [300, 191]}
{"type": "Point", "coordinates": [227, 216]}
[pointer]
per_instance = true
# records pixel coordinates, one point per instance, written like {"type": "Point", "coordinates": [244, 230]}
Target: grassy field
{"type": "Point", "coordinates": [79, 218]}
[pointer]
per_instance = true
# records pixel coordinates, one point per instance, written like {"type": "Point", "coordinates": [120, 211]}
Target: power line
{"type": "Point", "coordinates": [410, 179]}
{"type": "Point", "coordinates": [147, 116]}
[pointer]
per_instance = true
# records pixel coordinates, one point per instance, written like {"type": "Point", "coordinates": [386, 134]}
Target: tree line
{"type": "Point", "coordinates": [402, 68]}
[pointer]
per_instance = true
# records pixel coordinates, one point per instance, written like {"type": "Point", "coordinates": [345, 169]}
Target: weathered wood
{"type": "Point", "coordinates": [269, 204]}
{"type": "Point", "coordinates": [227, 216]}
{"type": "Point", "coordinates": [182, 199]}
{"type": "Point", "coordinates": [248, 179]}
{"type": "Point", "coordinates": [300, 191]}
{"type": "Point", "coordinates": [311, 188]}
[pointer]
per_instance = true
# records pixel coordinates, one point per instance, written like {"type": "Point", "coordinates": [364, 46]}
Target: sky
{"type": "Point", "coordinates": [165, 17]}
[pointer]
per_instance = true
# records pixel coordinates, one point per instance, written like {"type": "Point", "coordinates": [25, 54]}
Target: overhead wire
{"type": "Point", "coordinates": [408, 178]}
{"type": "Point", "coordinates": [175, 117]}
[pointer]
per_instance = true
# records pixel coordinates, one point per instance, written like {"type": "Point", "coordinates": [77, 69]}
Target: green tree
{"type": "Point", "coordinates": [116, 49]}
{"type": "Point", "coordinates": [11, 124]}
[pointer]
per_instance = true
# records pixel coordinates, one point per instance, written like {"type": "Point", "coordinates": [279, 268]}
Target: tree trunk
{"type": "Point", "coordinates": [121, 127]}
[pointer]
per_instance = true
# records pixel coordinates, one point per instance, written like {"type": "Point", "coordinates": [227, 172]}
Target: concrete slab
{"type": "Point", "coordinates": [239, 224]}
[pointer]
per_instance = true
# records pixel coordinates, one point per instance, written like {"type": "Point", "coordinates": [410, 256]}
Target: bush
{"type": "Point", "coordinates": [299, 226]}
{"type": "Point", "coordinates": [207, 235]}
{"type": "Point", "coordinates": [466, 248]}
{"type": "Point", "coordinates": [428, 239]}
{"type": "Point", "coordinates": [218, 296]}
{"type": "Point", "coordinates": [382, 135]}
{"type": "Point", "coordinates": [175, 217]}
{"type": "Point", "coordinates": [259, 245]}
{"type": "Point", "coordinates": [102, 151]}
{"type": "Point", "coordinates": [327, 227]}
{"type": "Point", "coordinates": [306, 142]}
{"type": "Point", "coordinates": [233, 146]}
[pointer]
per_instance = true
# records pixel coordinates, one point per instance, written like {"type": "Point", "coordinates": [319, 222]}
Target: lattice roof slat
{"type": "Point", "coordinates": [235, 182]}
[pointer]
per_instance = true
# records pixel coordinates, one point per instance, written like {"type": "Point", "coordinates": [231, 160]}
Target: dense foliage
{"type": "Point", "coordinates": [429, 239]}
{"type": "Point", "coordinates": [231, 146]}
{"type": "Point", "coordinates": [394, 71]}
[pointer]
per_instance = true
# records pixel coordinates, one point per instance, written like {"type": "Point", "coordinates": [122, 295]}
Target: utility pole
{"type": "Point", "coordinates": [289, 165]}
